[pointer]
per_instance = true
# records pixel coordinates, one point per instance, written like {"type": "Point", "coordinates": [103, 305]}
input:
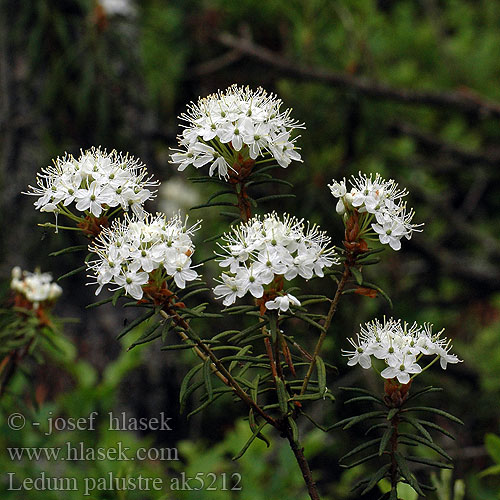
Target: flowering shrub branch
{"type": "Point", "coordinates": [240, 135]}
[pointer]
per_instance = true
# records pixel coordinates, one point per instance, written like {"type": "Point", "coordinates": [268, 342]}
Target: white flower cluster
{"type": "Point", "coordinates": [36, 287]}
{"type": "Point", "coordinates": [380, 200]}
{"type": "Point", "coordinates": [124, 8]}
{"type": "Point", "coordinates": [130, 250]}
{"type": "Point", "coordinates": [251, 121]}
{"type": "Point", "coordinates": [94, 182]}
{"type": "Point", "coordinates": [263, 249]}
{"type": "Point", "coordinates": [400, 346]}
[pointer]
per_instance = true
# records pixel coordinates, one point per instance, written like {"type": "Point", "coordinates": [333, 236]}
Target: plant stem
{"type": "Point", "coordinates": [10, 364]}
{"type": "Point", "coordinates": [326, 325]}
{"type": "Point", "coordinates": [243, 203]}
{"type": "Point", "coordinates": [394, 449]}
{"type": "Point", "coordinates": [204, 352]}
{"type": "Point", "coordinates": [298, 451]}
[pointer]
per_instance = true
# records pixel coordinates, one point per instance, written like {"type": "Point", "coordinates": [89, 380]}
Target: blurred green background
{"type": "Point", "coordinates": [407, 88]}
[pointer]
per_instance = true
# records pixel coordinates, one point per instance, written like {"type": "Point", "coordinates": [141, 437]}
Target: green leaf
{"type": "Point", "coordinates": [361, 447]}
{"type": "Point", "coordinates": [392, 413]}
{"type": "Point", "coordinates": [256, 432]}
{"type": "Point", "coordinates": [364, 398]}
{"type": "Point", "coordinates": [72, 273]}
{"type": "Point", "coordinates": [420, 428]}
{"type": "Point", "coordinates": [376, 477]}
{"type": "Point", "coordinates": [185, 382]}
{"type": "Point", "coordinates": [405, 472]}
{"type": "Point", "coordinates": [253, 427]}
{"type": "Point", "coordinates": [493, 470]}
{"type": "Point", "coordinates": [244, 333]}
{"type": "Point", "coordinates": [436, 427]}
{"type": "Point", "coordinates": [216, 204]}
{"type": "Point", "coordinates": [319, 426]}
{"type": "Point", "coordinates": [255, 390]}
{"type": "Point", "coordinates": [148, 336]}
{"type": "Point", "coordinates": [294, 428]}
{"type": "Point", "coordinates": [349, 422]}
{"type": "Point", "coordinates": [207, 376]}
{"type": "Point", "coordinates": [425, 442]}
{"type": "Point", "coordinates": [77, 248]}
{"type": "Point", "coordinates": [220, 193]}
{"type": "Point", "coordinates": [320, 368]}
{"type": "Point", "coordinates": [99, 303]}
{"type": "Point", "coordinates": [117, 295]}
{"type": "Point", "coordinates": [360, 461]}
{"type": "Point", "coordinates": [385, 439]}
{"type": "Point", "coordinates": [241, 353]}
{"type": "Point", "coordinates": [376, 287]}
{"type": "Point", "coordinates": [303, 317]}
{"type": "Point", "coordinates": [272, 180]}
{"type": "Point", "coordinates": [177, 347]}
{"type": "Point", "coordinates": [357, 275]}
{"type": "Point", "coordinates": [358, 389]}
{"type": "Point", "coordinates": [221, 335]}
{"type": "Point", "coordinates": [307, 397]}
{"type": "Point", "coordinates": [136, 322]}
{"type": "Point", "coordinates": [369, 262]}
{"type": "Point", "coordinates": [428, 461]}
{"type": "Point", "coordinates": [282, 395]}
{"type": "Point", "coordinates": [437, 411]}
{"type": "Point", "coordinates": [492, 443]}
{"type": "Point", "coordinates": [275, 197]}
{"type": "Point", "coordinates": [206, 403]}
{"type": "Point", "coordinates": [374, 427]}
{"type": "Point", "coordinates": [194, 292]}
{"type": "Point", "coordinates": [426, 390]}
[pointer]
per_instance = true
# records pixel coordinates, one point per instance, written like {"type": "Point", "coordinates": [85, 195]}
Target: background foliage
{"type": "Point", "coordinates": [408, 89]}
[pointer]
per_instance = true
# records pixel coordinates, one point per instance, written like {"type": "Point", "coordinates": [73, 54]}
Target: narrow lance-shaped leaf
{"type": "Point", "coordinates": [320, 368]}
{"type": "Point", "coordinates": [406, 473]}
{"type": "Point", "coordinates": [136, 322]}
{"type": "Point", "coordinates": [185, 382]}
{"type": "Point", "coordinates": [385, 439]}
{"type": "Point", "coordinates": [250, 441]}
{"type": "Point", "coordinates": [428, 461]}
{"type": "Point", "coordinates": [376, 477]}
{"type": "Point", "coordinates": [207, 375]}
{"type": "Point", "coordinates": [357, 275]}
{"type": "Point", "coordinates": [72, 273]}
{"type": "Point", "coordinates": [429, 409]}
{"type": "Point", "coordinates": [361, 447]}
{"type": "Point", "coordinates": [282, 395]}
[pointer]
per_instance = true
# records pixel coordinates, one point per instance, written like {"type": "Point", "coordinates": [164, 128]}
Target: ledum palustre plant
{"type": "Point", "coordinates": [236, 139]}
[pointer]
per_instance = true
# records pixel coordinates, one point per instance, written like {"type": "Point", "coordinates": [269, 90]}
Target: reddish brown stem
{"type": "Point", "coordinates": [298, 452]}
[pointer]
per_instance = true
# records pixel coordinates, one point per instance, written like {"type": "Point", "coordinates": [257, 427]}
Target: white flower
{"type": "Point", "coordinates": [282, 302]}
{"type": "Point", "coordinates": [250, 281]}
{"type": "Point", "coordinates": [132, 282]}
{"type": "Point", "coordinates": [229, 289]}
{"type": "Point", "coordinates": [131, 250]}
{"type": "Point", "coordinates": [179, 268]}
{"type": "Point", "coordinates": [390, 232]}
{"type": "Point", "coordinates": [123, 8]}
{"type": "Point", "coordinates": [399, 346]}
{"type": "Point", "coordinates": [360, 354]}
{"type": "Point", "coordinates": [379, 199]}
{"type": "Point", "coordinates": [401, 368]}
{"type": "Point", "coordinates": [95, 182]}
{"type": "Point", "coordinates": [238, 122]}
{"type": "Point", "coordinates": [264, 250]}
{"type": "Point", "coordinates": [36, 287]}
